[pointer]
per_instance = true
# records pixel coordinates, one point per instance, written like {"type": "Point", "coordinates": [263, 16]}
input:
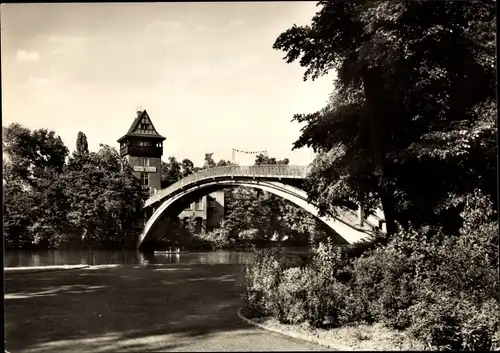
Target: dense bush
{"type": "Point", "coordinates": [382, 283]}
{"type": "Point", "coordinates": [262, 279]}
{"type": "Point", "coordinates": [293, 295]}
{"type": "Point", "coordinates": [217, 238]}
{"type": "Point", "coordinates": [451, 323]}
{"type": "Point", "coordinates": [442, 289]}
{"type": "Point", "coordinates": [325, 292]}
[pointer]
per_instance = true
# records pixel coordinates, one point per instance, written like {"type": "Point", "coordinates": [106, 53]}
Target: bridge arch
{"type": "Point", "coordinates": [342, 224]}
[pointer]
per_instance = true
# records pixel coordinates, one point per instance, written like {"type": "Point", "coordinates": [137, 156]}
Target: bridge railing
{"type": "Point", "coordinates": [272, 170]}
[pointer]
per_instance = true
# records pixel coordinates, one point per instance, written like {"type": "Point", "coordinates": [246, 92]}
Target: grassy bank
{"type": "Point", "coordinates": [374, 337]}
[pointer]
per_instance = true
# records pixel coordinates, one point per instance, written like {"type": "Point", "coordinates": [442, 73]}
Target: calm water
{"type": "Point", "coordinates": [22, 258]}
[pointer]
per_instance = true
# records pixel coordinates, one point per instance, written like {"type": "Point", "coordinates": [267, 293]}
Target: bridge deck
{"type": "Point", "coordinates": [274, 171]}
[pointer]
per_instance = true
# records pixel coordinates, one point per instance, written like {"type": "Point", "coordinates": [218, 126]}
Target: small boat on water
{"type": "Point", "coordinates": [170, 251]}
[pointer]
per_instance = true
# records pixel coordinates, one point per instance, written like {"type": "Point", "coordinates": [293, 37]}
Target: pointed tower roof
{"type": "Point", "coordinates": [142, 127]}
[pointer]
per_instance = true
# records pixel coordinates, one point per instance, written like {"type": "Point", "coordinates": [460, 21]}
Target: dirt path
{"type": "Point", "coordinates": [143, 309]}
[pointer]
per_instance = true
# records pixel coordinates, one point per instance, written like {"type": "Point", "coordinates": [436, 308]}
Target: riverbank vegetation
{"type": "Point", "coordinates": [52, 199]}
{"type": "Point", "coordinates": [410, 127]}
{"type": "Point", "coordinates": [90, 199]}
{"type": "Point", "coordinates": [439, 289]}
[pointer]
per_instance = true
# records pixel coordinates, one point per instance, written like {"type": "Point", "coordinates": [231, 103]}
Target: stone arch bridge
{"type": "Point", "coordinates": [282, 180]}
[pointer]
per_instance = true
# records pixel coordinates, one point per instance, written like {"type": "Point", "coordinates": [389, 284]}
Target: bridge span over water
{"type": "Point", "coordinates": [282, 180]}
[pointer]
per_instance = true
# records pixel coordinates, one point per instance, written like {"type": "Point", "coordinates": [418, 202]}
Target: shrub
{"type": "Point", "coordinates": [480, 326]}
{"type": "Point", "coordinates": [363, 246]}
{"type": "Point", "coordinates": [262, 278]}
{"type": "Point", "coordinates": [438, 323]}
{"type": "Point", "coordinates": [382, 286]}
{"type": "Point", "coordinates": [292, 292]}
{"type": "Point", "coordinates": [457, 285]}
{"type": "Point", "coordinates": [452, 323]}
{"type": "Point", "coordinates": [217, 238]}
{"type": "Point", "coordinates": [325, 300]}
{"type": "Point", "coordinates": [442, 288]}
{"type": "Point", "coordinates": [325, 293]}
{"type": "Point", "coordinates": [496, 340]}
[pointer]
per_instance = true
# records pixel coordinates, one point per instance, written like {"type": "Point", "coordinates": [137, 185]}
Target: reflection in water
{"type": "Point", "coordinates": [207, 258]}
{"type": "Point", "coordinates": [23, 258]}
{"type": "Point", "coordinates": [35, 258]}
{"type": "Point", "coordinates": [14, 258]}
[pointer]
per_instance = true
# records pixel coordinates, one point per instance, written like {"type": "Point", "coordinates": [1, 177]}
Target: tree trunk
{"type": "Point", "coordinates": [388, 206]}
{"type": "Point", "coordinates": [378, 109]}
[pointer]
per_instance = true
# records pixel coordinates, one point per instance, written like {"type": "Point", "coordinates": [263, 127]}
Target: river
{"type": "Point", "coordinates": [24, 258]}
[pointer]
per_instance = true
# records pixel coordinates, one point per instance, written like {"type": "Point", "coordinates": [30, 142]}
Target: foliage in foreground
{"type": "Point", "coordinates": [441, 289]}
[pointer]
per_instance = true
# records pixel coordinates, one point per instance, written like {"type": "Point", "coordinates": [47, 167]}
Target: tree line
{"type": "Point", "coordinates": [55, 199]}
{"type": "Point", "coordinates": [52, 198]}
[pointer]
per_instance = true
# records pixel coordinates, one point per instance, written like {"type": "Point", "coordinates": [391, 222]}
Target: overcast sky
{"type": "Point", "coordinates": [205, 72]}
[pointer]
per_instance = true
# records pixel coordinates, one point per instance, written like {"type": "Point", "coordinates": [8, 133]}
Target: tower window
{"type": "Point", "coordinates": [145, 161]}
{"type": "Point", "coordinates": [145, 179]}
{"type": "Point", "coordinates": [144, 126]}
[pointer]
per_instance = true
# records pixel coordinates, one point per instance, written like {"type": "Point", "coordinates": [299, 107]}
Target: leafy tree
{"type": "Point", "coordinates": [105, 198]}
{"type": "Point", "coordinates": [177, 232]}
{"type": "Point", "coordinates": [252, 216]}
{"type": "Point", "coordinates": [263, 159]}
{"type": "Point", "coordinates": [223, 163]}
{"type": "Point", "coordinates": [81, 155]}
{"type": "Point", "coordinates": [17, 215]}
{"type": "Point", "coordinates": [171, 172]}
{"type": "Point", "coordinates": [244, 212]}
{"type": "Point", "coordinates": [33, 202]}
{"type": "Point", "coordinates": [32, 153]}
{"type": "Point", "coordinates": [82, 147]}
{"type": "Point", "coordinates": [217, 238]}
{"type": "Point", "coordinates": [46, 200]}
{"type": "Point", "coordinates": [209, 161]}
{"type": "Point", "coordinates": [411, 122]}
{"type": "Point", "coordinates": [49, 224]}
{"type": "Point", "coordinates": [187, 167]}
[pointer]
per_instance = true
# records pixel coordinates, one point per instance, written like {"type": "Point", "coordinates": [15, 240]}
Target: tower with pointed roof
{"type": "Point", "coordinates": [142, 145]}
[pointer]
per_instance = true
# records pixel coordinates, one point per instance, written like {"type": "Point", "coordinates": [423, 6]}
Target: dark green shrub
{"type": "Point", "coordinates": [496, 340]}
{"type": "Point", "coordinates": [457, 284]}
{"type": "Point", "coordinates": [325, 293]}
{"type": "Point", "coordinates": [366, 275]}
{"type": "Point", "coordinates": [442, 288]}
{"type": "Point", "coordinates": [325, 301]}
{"type": "Point", "coordinates": [480, 325]}
{"type": "Point", "coordinates": [359, 248]}
{"type": "Point", "coordinates": [262, 278]}
{"type": "Point", "coordinates": [381, 288]}
{"type": "Point", "coordinates": [292, 292]}
{"type": "Point", "coordinates": [396, 288]}
{"type": "Point", "coordinates": [438, 323]}
{"type": "Point", "coordinates": [452, 323]}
